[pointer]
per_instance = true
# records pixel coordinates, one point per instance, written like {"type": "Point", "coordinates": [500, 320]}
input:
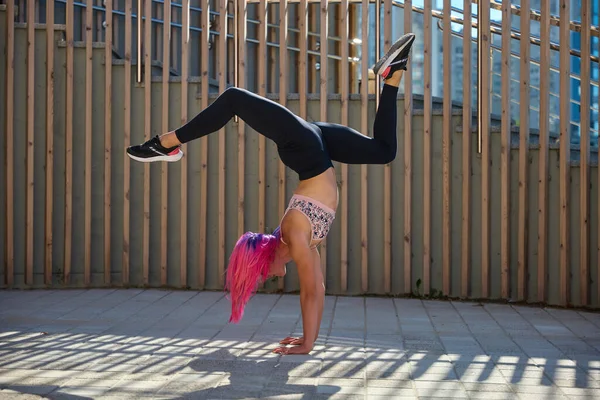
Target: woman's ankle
{"type": "Point", "coordinates": [169, 140]}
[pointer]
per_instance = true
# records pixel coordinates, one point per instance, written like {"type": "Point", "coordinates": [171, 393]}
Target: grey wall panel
{"type": "Point", "coordinates": [456, 208]}
{"type": "Point", "coordinates": [397, 207]}
{"type": "Point", "coordinates": [495, 204]}
{"type": "Point", "coordinates": [436, 205]}
{"type": "Point", "coordinates": [594, 232]}
{"type": "Point", "coordinates": [553, 231]}
{"type": "Point", "coordinates": [417, 207]}
{"type": "Point", "coordinates": [116, 173]}
{"type": "Point", "coordinates": [212, 219]}
{"type": "Point", "coordinates": [533, 197]}
{"type": "Point", "coordinates": [79, 172]}
{"type": "Point", "coordinates": [58, 174]}
{"type": "Point", "coordinates": [98, 123]}
{"type": "Point", "coordinates": [574, 266]}
{"type": "Point", "coordinates": [475, 271]}
{"type": "Point", "coordinates": [174, 194]}
{"type": "Point", "coordinates": [19, 154]}
{"type": "Point", "coordinates": [513, 220]}
{"type": "Point", "coordinates": [3, 95]}
{"type": "Point", "coordinates": [39, 156]}
{"type": "Point", "coordinates": [192, 151]}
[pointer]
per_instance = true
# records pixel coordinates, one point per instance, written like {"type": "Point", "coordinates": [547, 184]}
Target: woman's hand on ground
{"type": "Point", "coordinates": [294, 341]}
{"type": "Point", "coordinates": [302, 349]}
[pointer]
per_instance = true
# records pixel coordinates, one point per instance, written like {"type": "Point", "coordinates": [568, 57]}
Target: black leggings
{"type": "Point", "coordinates": [307, 148]}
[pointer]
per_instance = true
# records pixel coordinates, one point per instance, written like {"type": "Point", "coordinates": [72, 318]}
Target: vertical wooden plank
{"type": "Point", "coordinates": [505, 153]}
{"type": "Point", "coordinates": [283, 86]}
{"type": "Point", "coordinates": [107, 135]}
{"type": "Point", "coordinates": [364, 127]}
{"type": "Point", "coordinates": [523, 224]}
{"type": "Point", "coordinates": [88, 141]}
{"type": "Point", "coordinates": [324, 62]}
{"type": "Point", "coordinates": [408, 111]}
{"type": "Point", "coordinates": [69, 152]}
{"type": "Point", "coordinates": [127, 141]}
{"type": "Point", "coordinates": [543, 161]}
{"type": "Point", "coordinates": [49, 139]}
{"type": "Point", "coordinates": [10, 93]}
{"type": "Point", "coordinates": [387, 173]}
{"type": "Point", "coordinates": [483, 11]}
{"type": "Point", "coordinates": [185, 48]}
{"type": "Point", "coordinates": [302, 66]}
{"type": "Point", "coordinates": [222, 66]}
{"type": "Point", "coordinates": [565, 151]}
{"type": "Point", "coordinates": [30, 139]}
{"type": "Point", "coordinates": [262, 91]}
{"type": "Point", "coordinates": [240, 64]}
{"type": "Point", "coordinates": [343, 207]}
{"type": "Point", "coordinates": [466, 157]}
{"type": "Point", "coordinates": [584, 168]}
{"type": "Point", "coordinates": [164, 183]}
{"type": "Point", "coordinates": [446, 149]}
{"type": "Point", "coordinates": [204, 143]}
{"type": "Point", "coordinates": [427, 147]}
{"type": "Point", "coordinates": [147, 134]}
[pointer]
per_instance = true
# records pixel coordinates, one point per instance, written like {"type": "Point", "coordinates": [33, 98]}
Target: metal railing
{"type": "Point", "coordinates": [495, 29]}
{"type": "Point", "coordinates": [214, 32]}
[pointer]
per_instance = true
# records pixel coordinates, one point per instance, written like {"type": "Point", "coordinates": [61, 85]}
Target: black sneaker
{"type": "Point", "coordinates": [152, 150]}
{"type": "Point", "coordinates": [396, 58]}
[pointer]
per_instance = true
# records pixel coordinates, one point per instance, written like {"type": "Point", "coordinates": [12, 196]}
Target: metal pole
{"type": "Point", "coordinates": [480, 56]}
{"type": "Point", "coordinates": [139, 41]}
{"type": "Point", "coordinates": [236, 49]}
{"type": "Point", "coordinates": [377, 49]}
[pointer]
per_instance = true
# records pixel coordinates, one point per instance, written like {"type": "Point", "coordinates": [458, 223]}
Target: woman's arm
{"type": "Point", "coordinates": [312, 292]}
{"type": "Point", "coordinates": [296, 341]}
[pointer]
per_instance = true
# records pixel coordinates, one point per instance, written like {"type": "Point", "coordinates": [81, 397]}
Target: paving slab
{"type": "Point", "coordinates": [168, 344]}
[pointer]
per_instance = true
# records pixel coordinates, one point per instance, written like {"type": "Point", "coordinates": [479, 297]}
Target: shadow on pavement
{"type": "Point", "coordinates": [243, 378]}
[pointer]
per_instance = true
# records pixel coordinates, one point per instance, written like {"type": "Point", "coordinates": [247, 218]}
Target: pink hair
{"type": "Point", "coordinates": [249, 264]}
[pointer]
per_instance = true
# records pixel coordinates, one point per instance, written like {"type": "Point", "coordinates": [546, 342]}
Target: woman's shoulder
{"type": "Point", "coordinates": [294, 226]}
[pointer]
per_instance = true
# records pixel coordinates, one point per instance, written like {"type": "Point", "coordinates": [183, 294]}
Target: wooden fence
{"type": "Point", "coordinates": [470, 208]}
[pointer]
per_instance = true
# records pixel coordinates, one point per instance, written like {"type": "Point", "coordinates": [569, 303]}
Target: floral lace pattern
{"type": "Point", "coordinates": [320, 219]}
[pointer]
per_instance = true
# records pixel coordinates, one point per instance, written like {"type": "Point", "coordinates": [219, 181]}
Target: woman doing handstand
{"type": "Point", "coordinates": [309, 149]}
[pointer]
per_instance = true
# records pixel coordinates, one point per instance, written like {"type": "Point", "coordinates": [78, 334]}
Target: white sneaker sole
{"type": "Point", "coordinates": [392, 53]}
{"type": "Point", "coordinates": [173, 158]}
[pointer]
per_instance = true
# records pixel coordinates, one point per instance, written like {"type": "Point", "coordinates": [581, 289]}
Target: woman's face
{"type": "Point", "coordinates": [281, 258]}
{"type": "Point", "coordinates": [277, 269]}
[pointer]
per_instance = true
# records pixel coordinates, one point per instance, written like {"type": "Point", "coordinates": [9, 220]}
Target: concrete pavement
{"type": "Point", "coordinates": [161, 344]}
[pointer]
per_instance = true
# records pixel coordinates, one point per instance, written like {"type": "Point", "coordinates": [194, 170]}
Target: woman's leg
{"type": "Point", "coordinates": [263, 115]}
{"type": "Point", "coordinates": [299, 143]}
{"type": "Point", "coordinates": [348, 146]}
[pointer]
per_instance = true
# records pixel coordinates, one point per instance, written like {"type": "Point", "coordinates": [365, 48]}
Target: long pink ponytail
{"type": "Point", "coordinates": [248, 267]}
